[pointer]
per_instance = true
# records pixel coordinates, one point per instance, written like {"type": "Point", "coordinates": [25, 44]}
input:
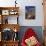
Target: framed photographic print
{"type": "Point", "coordinates": [13, 12]}
{"type": "Point", "coordinates": [29, 12]}
{"type": "Point", "coordinates": [5, 12]}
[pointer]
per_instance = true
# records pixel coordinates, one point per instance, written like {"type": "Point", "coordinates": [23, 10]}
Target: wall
{"type": "Point", "coordinates": [22, 3]}
{"type": "Point", "coordinates": [37, 23]}
{"type": "Point", "coordinates": [39, 16]}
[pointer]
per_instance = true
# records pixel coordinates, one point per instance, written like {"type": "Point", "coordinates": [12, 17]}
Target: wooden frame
{"type": "Point", "coordinates": [5, 12]}
{"type": "Point", "coordinates": [5, 24]}
{"type": "Point", "coordinates": [9, 11]}
{"type": "Point", "coordinates": [29, 12]}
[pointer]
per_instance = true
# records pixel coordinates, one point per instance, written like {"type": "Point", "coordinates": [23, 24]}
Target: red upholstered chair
{"type": "Point", "coordinates": [29, 33]}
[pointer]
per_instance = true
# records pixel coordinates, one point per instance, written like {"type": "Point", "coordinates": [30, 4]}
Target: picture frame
{"type": "Point", "coordinates": [13, 12]}
{"type": "Point", "coordinates": [5, 12]}
{"type": "Point", "coordinates": [29, 12]}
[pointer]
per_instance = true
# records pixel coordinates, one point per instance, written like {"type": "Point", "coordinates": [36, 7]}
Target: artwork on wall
{"type": "Point", "coordinates": [5, 12]}
{"type": "Point", "coordinates": [29, 12]}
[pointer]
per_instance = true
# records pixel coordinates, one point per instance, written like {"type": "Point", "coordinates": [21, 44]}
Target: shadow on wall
{"type": "Point", "coordinates": [37, 29]}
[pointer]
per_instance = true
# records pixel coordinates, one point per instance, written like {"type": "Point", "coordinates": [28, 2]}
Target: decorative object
{"type": "Point", "coordinates": [15, 3]}
{"type": "Point", "coordinates": [31, 41]}
{"type": "Point", "coordinates": [9, 20]}
{"type": "Point", "coordinates": [30, 12]}
{"type": "Point", "coordinates": [13, 12]}
{"type": "Point", "coordinates": [15, 30]}
{"type": "Point", "coordinates": [15, 37]}
{"type": "Point", "coordinates": [15, 34]}
{"type": "Point", "coordinates": [30, 38]}
{"type": "Point", "coordinates": [8, 15]}
{"type": "Point", "coordinates": [5, 12]}
{"type": "Point", "coordinates": [5, 19]}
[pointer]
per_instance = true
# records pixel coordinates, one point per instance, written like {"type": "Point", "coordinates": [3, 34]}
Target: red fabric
{"type": "Point", "coordinates": [29, 33]}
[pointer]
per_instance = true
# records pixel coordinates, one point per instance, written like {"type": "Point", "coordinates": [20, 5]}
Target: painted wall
{"type": "Point", "coordinates": [22, 3]}
{"type": "Point", "coordinates": [39, 15]}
